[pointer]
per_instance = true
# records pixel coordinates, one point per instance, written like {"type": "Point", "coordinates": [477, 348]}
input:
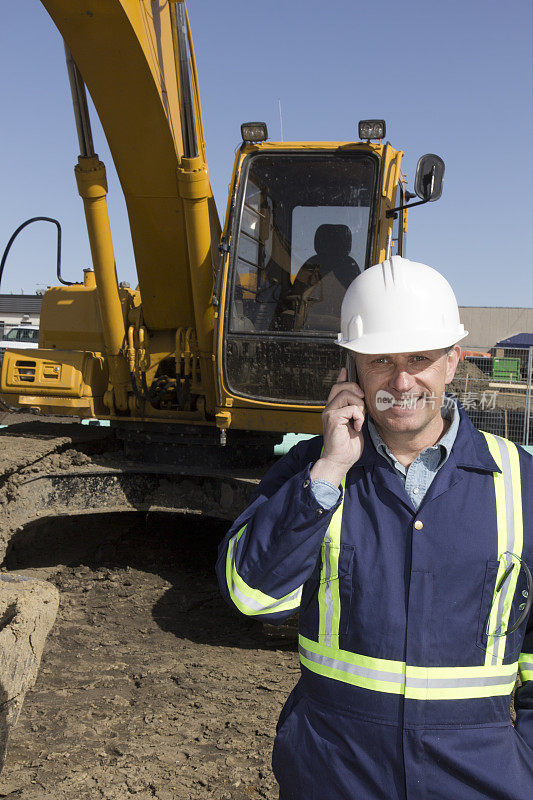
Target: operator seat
{"type": "Point", "coordinates": [315, 298]}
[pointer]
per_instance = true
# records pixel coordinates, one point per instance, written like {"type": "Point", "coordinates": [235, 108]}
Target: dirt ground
{"type": "Point", "coordinates": [150, 686]}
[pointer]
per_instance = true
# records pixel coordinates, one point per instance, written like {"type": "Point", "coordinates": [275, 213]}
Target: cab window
{"type": "Point", "coordinates": [301, 234]}
{"type": "Point", "coordinates": [303, 237]}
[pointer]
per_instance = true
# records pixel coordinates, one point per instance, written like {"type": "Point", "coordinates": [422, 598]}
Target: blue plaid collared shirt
{"type": "Point", "coordinates": [417, 477]}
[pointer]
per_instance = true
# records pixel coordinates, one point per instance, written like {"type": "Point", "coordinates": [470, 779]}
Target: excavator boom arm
{"type": "Point", "coordinates": [137, 60]}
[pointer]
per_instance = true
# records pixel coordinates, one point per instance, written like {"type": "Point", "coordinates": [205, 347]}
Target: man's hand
{"type": "Point", "coordinates": [342, 420]}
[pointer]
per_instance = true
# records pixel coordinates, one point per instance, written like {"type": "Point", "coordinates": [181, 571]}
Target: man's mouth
{"type": "Point", "coordinates": [386, 401]}
{"type": "Point", "coordinates": [407, 401]}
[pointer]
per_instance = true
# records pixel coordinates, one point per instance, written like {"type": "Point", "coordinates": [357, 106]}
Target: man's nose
{"type": "Point", "coordinates": [401, 380]}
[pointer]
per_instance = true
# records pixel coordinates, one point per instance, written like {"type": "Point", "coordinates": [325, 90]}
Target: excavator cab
{"type": "Point", "coordinates": [300, 232]}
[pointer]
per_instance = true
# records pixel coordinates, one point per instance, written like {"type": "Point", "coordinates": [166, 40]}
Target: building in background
{"type": "Point", "coordinates": [18, 308]}
{"type": "Point", "coordinates": [488, 325]}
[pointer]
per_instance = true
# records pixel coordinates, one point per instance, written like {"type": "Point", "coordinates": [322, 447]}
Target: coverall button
{"type": "Point", "coordinates": [419, 524]}
{"type": "Point", "coordinates": [306, 483]}
{"type": "Point", "coordinates": [319, 511]}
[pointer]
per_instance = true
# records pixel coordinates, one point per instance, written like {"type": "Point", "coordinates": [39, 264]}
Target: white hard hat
{"type": "Point", "coordinates": [399, 306]}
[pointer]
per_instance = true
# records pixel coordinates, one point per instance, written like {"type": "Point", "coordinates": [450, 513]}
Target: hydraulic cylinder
{"type": "Point", "coordinates": [92, 186]}
{"type": "Point", "coordinates": [194, 189]}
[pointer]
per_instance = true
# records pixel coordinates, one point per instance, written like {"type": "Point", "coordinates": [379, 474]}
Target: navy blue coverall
{"type": "Point", "coordinates": [405, 681]}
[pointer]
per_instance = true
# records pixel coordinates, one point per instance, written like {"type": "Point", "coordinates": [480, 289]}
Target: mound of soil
{"type": "Point", "coordinates": [150, 685]}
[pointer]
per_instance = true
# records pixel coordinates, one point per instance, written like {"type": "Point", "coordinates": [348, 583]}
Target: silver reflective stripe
{"type": "Point", "coordinates": [353, 669]}
{"type": "Point", "coordinates": [256, 606]}
{"type": "Point", "coordinates": [327, 588]}
{"type": "Point", "coordinates": [405, 680]}
{"type": "Point", "coordinates": [525, 666]}
{"type": "Point", "coordinates": [250, 602]}
{"type": "Point", "coordinates": [497, 656]}
{"type": "Point", "coordinates": [451, 683]}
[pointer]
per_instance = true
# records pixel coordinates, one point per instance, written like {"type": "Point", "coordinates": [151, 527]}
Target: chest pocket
{"type": "Point", "coordinates": [497, 647]}
{"type": "Point", "coordinates": [327, 595]}
{"type": "Point", "coordinates": [489, 583]}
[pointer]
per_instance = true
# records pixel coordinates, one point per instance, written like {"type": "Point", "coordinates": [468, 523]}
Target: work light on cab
{"type": "Point", "coordinates": [254, 131]}
{"type": "Point", "coordinates": [372, 129]}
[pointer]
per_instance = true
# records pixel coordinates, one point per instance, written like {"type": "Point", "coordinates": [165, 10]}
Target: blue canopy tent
{"type": "Point", "coordinates": [519, 340]}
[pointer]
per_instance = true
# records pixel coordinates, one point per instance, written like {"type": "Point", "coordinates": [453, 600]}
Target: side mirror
{"type": "Point", "coordinates": [429, 177]}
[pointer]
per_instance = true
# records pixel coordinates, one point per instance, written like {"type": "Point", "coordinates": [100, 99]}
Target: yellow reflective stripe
{"type": "Point", "coordinates": [508, 493]}
{"type": "Point", "coordinates": [322, 596]}
{"type": "Point", "coordinates": [525, 667]}
{"type": "Point", "coordinates": [518, 529]}
{"type": "Point", "coordinates": [456, 683]}
{"type": "Point", "coordinates": [322, 589]}
{"type": "Point", "coordinates": [395, 677]}
{"type": "Point", "coordinates": [369, 662]}
{"type": "Point", "coordinates": [375, 674]}
{"type": "Point", "coordinates": [400, 668]}
{"type": "Point", "coordinates": [354, 680]}
{"type": "Point", "coordinates": [494, 643]}
{"type": "Point", "coordinates": [252, 601]}
{"type": "Point", "coordinates": [453, 693]}
{"type": "Point", "coordinates": [329, 604]}
{"type": "Point", "coordinates": [453, 673]}
{"type": "Point", "coordinates": [335, 536]}
{"type": "Point", "coordinates": [517, 497]}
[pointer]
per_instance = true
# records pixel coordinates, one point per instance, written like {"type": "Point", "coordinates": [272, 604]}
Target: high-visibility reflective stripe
{"type": "Point", "coordinates": [525, 667]}
{"type": "Point", "coordinates": [513, 507]}
{"type": "Point", "coordinates": [329, 604]}
{"type": "Point", "coordinates": [428, 683]}
{"type": "Point", "coordinates": [251, 601]}
{"type": "Point", "coordinates": [510, 538]}
{"type": "Point", "coordinates": [496, 644]}
{"type": "Point", "coordinates": [396, 677]}
{"type": "Point", "coordinates": [324, 594]}
{"type": "Point", "coordinates": [518, 529]}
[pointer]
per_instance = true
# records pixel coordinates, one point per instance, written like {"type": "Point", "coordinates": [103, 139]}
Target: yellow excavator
{"type": "Point", "coordinates": [229, 340]}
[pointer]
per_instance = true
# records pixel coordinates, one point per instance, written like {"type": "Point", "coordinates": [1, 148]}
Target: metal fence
{"type": "Point", "coordinates": [495, 389]}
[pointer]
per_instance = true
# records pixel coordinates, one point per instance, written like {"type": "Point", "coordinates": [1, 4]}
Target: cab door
{"type": "Point", "coordinates": [302, 229]}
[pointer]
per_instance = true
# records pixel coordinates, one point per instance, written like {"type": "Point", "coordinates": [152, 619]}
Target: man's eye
{"type": "Point", "coordinates": [419, 358]}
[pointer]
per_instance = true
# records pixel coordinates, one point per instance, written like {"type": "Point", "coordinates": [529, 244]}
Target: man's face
{"type": "Point", "coordinates": [404, 391]}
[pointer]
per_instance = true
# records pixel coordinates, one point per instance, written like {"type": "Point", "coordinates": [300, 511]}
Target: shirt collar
{"type": "Point", "coordinates": [448, 411]}
{"type": "Point", "coordinates": [470, 448]}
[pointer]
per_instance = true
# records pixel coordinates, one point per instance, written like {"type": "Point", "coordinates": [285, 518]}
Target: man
{"type": "Point", "coordinates": [403, 535]}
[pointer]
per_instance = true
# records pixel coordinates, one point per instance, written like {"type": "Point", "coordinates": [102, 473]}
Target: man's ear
{"type": "Point", "coordinates": [452, 360]}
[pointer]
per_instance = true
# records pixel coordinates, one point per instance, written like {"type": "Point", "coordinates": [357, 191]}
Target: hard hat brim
{"type": "Point", "coordinates": [400, 342]}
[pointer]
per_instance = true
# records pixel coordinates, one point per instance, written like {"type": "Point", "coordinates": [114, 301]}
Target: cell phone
{"type": "Point", "coordinates": [352, 374]}
{"type": "Point", "coordinates": [350, 368]}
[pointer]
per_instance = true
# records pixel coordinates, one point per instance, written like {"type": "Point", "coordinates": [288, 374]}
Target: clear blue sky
{"type": "Point", "coordinates": [453, 78]}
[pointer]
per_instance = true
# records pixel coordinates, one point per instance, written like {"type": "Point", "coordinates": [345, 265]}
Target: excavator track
{"type": "Point", "coordinates": [55, 468]}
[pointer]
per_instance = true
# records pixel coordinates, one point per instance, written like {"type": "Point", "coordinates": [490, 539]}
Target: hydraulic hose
{"type": "Point", "coordinates": [16, 233]}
